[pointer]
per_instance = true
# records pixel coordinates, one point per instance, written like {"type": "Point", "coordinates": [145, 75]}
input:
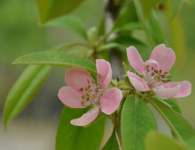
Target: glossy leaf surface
{"type": "Point", "coordinates": [70, 137]}
{"type": "Point", "coordinates": [136, 121]}
{"type": "Point", "coordinates": [56, 58]}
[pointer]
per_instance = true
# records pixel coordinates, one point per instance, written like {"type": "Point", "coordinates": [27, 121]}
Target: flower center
{"type": "Point", "coordinates": [154, 78]}
{"type": "Point", "coordinates": [92, 94]}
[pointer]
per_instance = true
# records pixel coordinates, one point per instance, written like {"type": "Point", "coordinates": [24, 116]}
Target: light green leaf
{"type": "Point", "coordinates": [128, 27]}
{"type": "Point", "coordinates": [180, 127]}
{"type": "Point", "coordinates": [175, 6]}
{"type": "Point", "coordinates": [157, 141]}
{"type": "Point", "coordinates": [112, 143]}
{"type": "Point", "coordinates": [177, 36]}
{"type": "Point", "coordinates": [49, 9]}
{"type": "Point", "coordinates": [57, 59]}
{"type": "Point", "coordinates": [136, 121]}
{"type": "Point", "coordinates": [174, 105]}
{"type": "Point", "coordinates": [121, 42]}
{"type": "Point", "coordinates": [71, 23]}
{"type": "Point", "coordinates": [101, 27]}
{"type": "Point", "coordinates": [25, 88]}
{"type": "Point", "coordinates": [70, 137]}
{"type": "Point", "coordinates": [152, 25]}
{"type": "Point", "coordinates": [147, 6]}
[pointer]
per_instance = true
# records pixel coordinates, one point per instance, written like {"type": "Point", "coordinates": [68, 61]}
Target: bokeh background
{"type": "Point", "coordinates": [21, 34]}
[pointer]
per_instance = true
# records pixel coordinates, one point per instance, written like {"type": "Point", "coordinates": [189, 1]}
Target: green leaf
{"type": "Point", "coordinates": [25, 88]}
{"type": "Point", "coordinates": [147, 6]}
{"type": "Point", "coordinates": [174, 105]}
{"type": "Point", "coordinates": [152, 25]}
{"type": "Point", "coordinates": [70, 137]}
{"type": "Point", "coordinates": [180, 127]}
{"type": "Point", "coordinates": [56, 58]}
{"type": "Point", "coordinates": [175, 6]}
{"type": "Point", "coordinates": [121, 42]}
{"type": "Point", "coordinates": [101, 27]}
{"type": "Point", "coordinates": [177, 36]}
{"type": "Point", "coordinates": [112, 143]}
{"type": "Point", "coordinates": [49, 9]}
{"type": "Point", "coordinates": [71, 23]}
{"type": "Point", "coordinates": [126, 67]}
{"type": "Point", "coordinates": [128, 27]}
{"type": "Point", "coordinates": [126, 15]}
{"type": "Point", "coordinates": [136, 121]}
{"type": "Point", "coordinates": [157, 141]}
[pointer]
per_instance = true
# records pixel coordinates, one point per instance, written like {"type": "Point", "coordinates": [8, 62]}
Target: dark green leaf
{"type": "Point", "coordinates": [24, 89]}
{"type": "Point", "coordinates": [126, 15]}
{"type": "Point", "coordinates": [112, 143]}
{"type": "Point", "coordinates": [56, 58]}
{"type": "Point", "coordinates": [157, 141]}
{"type": "Point", "coordinates": [71, 23]}
{"type": "Point", "coordinates": [152, 25]}
{"type": "Point", "coordinates": [49, 9]}
{"type": "Point", "coordinates": [70, 137]}
{"type": "Point", "coordinates": [180, 127]}
{"type": "Point", "coordinates": [175, 6]}
{"type": "Point", "coordinates": [136, 121]}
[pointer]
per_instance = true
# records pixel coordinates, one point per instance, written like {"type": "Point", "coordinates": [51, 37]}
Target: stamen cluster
{"type": "Point", "coordinates": [91, 94]}
{"type": "Point", "coordinates": [155, 78]}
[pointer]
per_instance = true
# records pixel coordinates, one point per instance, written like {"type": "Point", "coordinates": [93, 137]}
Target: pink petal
{"type": "Point", "coordinates": [164, 56]}
{"type": "Point", "coordinates": [185, 88]}
{"type": "Point", "coordinates": [71, 98]}
{"type": "Point", "coordinates": [135, 60]}
{"type": "Point", "coordinates": [104, 72]}
{"type": "Point", "coordinates": [111, 100]}
{"type": "Point", "coordinates": [138, 83]}
{"type": "Point", "coordinates": [78, 78]}
{"type": "Point", "coordinates": [151, 63]}
{"type": "Point", "coordinates": [86, 118]}
{"type": "Point", "coordinates": [167, 92]}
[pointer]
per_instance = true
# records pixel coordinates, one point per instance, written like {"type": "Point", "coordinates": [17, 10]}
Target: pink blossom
{"type": "Point", "coordinates": [82, 92]}
{"type": "Point", "coordinates": [154, 72]}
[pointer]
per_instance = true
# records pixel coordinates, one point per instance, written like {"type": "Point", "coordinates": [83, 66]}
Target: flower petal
{"type": "Point", "coordinates": [135, 60]}
{"type": "Point", "coordinates": [138, 83]}
{"type": "Point", "coordinates": [167, 92]}
{"type": "Point", "coordinates": [164, 56]}
{"type": "Point", "coordinates": [151, 63]}
{"type": "Point", "coordinates": [86, 118]}
{"type": "Point", "coordinates": [71, 98]}
{"type": "Point", "coordinates": [185, 88]}
{"type": "Point", "coordinates": [104, 72]}
{"type": "Point", "coordinates": [111, 100]}
{"type": "Point", "coordinates": [78, 78]}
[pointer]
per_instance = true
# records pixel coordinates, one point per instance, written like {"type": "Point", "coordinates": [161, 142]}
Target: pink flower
{"type": "Point", "coordinates": [154, 73]}
{"type": "Point", "coordinates": [82, 92]}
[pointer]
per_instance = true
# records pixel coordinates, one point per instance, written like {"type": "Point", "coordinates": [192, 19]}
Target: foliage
{"type": "Point", "coordinates": [133, 121]}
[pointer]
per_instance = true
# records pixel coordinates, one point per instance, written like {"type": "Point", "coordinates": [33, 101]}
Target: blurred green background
{"type": "Point", "coordinates": [21, 34]}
